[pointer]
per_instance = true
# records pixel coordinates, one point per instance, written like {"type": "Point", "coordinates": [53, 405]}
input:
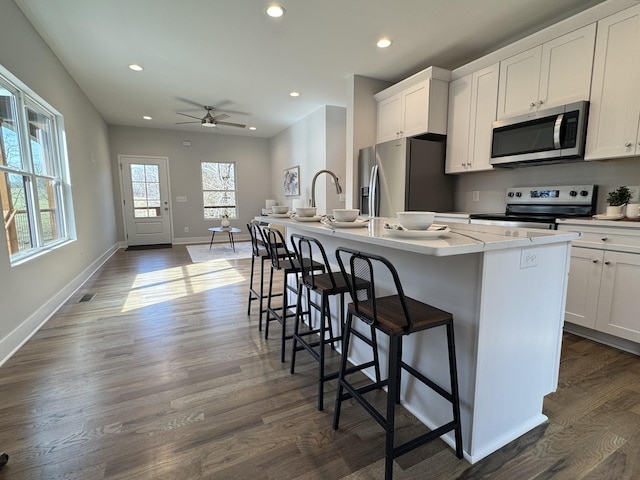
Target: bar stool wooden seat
{"type": "Point", "coordinates": [285, 261]}
{"type": "Point", "coordinates": [396, 316]}
{"type": "Point", "coordinates": [324, 284]}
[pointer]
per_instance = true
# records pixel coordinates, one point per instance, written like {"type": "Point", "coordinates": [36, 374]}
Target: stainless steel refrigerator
{"type": "Point", "coordinates": [404, 174]}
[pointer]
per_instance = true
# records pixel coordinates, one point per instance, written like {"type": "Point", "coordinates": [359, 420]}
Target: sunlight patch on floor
{"type": "Point", "coordinates": [160, 286]}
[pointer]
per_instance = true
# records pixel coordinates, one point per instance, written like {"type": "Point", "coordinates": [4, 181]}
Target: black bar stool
{"type": "Point", "coordinates": [284, 260]}
{"type": "Point", "coordinates": [325, 284]}
{"type": "Point", "coordinates": [258, 250]}
{"type": "Point", "coordinates": [397, 316]}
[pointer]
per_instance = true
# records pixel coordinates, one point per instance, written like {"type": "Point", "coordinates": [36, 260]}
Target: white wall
{"type": "Point", "coordinates": [30, 292]}
{"type": "Point", "coordinates": [253, 173]}
{"type": "Point", "coordinates": [316, 142]}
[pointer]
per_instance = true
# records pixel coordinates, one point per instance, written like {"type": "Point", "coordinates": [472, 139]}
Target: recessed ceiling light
{"type": "Point", "coordinates": [275, 11]}
{"type": "Point", "coordinates": [252, 128]}
{"type": "Point", "coordinates": [136, 68]}
{"type": "Point", "coordinates": [384, 42]}
{"type": "Point", "coordinates": [294, 94]}
{"type": "Point", "coordinates": [147, 117]}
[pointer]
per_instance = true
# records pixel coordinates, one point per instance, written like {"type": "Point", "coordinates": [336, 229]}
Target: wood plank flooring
{"type": "Point", "coordinates": [163, 375]}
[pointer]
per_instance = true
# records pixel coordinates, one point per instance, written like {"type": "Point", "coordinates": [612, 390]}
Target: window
{"type": "Point", "coordinates": [34, 186]}
{"type": "Point", "coordinates": [219, 190]}
{"type": "Point", "coordinates": [145, 183]}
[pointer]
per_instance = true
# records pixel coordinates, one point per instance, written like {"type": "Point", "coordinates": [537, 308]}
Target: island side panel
{"type": "Point", "coordinates": [519, 338]}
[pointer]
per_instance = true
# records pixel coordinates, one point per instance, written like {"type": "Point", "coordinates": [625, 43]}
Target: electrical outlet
{"type": "Point", "coordinates": [343, 197]}
{"type": "Point", "coordinates": [528, 258]}
{"type": "Point", "coordinates": [186, 229]}
{"type": "Point", "coordinates": [475, 196]}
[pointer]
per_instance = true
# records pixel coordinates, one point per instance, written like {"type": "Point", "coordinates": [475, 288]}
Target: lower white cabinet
{"type": "Point", "coordinates": [604, 284]}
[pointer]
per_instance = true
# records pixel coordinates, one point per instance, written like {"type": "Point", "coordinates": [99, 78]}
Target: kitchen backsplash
{"type": "Point", "coordinates": [491, 186]}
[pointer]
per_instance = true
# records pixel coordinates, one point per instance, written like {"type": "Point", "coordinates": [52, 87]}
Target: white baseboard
{"type": "Point", "coordinates": [23, 332]}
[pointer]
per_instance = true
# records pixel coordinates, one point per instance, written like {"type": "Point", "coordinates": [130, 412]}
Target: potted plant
{"type": "Point", "coordinates": [225, 220]}
{"type": "Point", "coordinates": [617, 199]}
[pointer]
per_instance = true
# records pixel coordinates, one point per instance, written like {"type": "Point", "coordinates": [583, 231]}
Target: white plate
{"type": "Point", "coordinates": [602, 216]}
{"type": "Point", "coordinates": [280, 215]}
{"type": "Point", "coordinates": [356, 224]}
{"type": "Point", "coordinates": [315, 218]}
{"type": "Point", "coordinates": [429, 233]}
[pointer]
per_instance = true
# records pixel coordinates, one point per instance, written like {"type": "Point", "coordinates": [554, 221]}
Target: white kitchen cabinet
{"type": "Point", "coordinates": [614, 110]}
{"type": "Point", "coordinates": [414, 106]}
{"type": "Point", "coordinates": [602, 292]}
{"type": "Point", "coordinates": [472, 109]}
{"type": "Point", "coordinates": [554, 73]}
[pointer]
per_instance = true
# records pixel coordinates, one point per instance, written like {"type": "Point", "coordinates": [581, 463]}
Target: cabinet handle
{"type": "Point", "coordinates": [607, 262]}
{"type": "Point", "coordinates": [604, 239]}
{"type": "Point", "coordinates": [532, 104]}
{"type": "Point", "coordinates": [594, 261]}
{"type": "Point", "coordinates": [627, 145]}
{"type": "Point", "coordinates": [540, 102]}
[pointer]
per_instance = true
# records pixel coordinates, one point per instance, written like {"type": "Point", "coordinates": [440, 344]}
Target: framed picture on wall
{"type": "Point", "coordinates": [292, 181]}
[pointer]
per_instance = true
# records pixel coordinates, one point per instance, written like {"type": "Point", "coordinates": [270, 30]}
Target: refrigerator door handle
{"type": "Point", "coordinates": [373, 193]}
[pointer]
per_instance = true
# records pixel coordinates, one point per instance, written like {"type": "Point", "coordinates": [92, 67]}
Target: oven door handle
{"type": "Point", "coordinates": [556, 131]}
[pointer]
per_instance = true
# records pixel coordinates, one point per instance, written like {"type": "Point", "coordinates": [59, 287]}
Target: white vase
{"type": "Point", "coordinates": [612, 211]}
{"type": "Point", "coordinates": [225, 222]}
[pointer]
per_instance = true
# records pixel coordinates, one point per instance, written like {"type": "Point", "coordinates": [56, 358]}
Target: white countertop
{"type": "Point", "coordinates": [589, 221]}
{"type": "Point", "coordinates": [461, 239]}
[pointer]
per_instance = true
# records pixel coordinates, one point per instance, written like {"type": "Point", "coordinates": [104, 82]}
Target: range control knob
{"type": "Point", "coordinates": [573, 193]}
{"type": "Point", "coordinates": [518, 194]}
{"type": "Point", "coordinates": [510, 194]}
{"type": "Point", "coordinates": [584, 193]}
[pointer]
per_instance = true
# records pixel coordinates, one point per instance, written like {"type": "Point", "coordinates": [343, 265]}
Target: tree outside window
{"type": "Point", "coordinates": [219, 190]}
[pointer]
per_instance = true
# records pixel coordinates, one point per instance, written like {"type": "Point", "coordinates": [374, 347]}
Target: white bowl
{"type": "Point", "coordinates": [306, 211]}
{"type": "Point", "coordinates": [345, 214]}
{"type": "Point", "coordinates": [416, 220]}
{"type": "Point", "coordinates": [280, 209]}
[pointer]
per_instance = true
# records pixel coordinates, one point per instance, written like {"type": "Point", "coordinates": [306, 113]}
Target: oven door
{"type": "Point", "coordinates": [512, 223]}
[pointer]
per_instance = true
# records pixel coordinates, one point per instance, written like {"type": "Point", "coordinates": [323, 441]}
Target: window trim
{"type": "Point", "coordinates": [59, 174]}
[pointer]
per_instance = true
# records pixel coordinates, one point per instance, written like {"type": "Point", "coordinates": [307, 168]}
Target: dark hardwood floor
{"type": "Point", "coordinates": [162, 375]}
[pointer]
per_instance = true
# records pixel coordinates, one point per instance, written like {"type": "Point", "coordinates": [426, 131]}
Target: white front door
{"type": "Point", "coordinates": [145, 191]}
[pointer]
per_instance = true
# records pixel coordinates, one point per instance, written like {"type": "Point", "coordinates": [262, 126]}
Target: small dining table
{"type": "Point", "coordinates": [229, 230]}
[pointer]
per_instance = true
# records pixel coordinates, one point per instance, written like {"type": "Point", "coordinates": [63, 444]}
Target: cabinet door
{"type": "Point", "coordinates": [389, 118]}
{"type": "Point", "coordinates": [615, 96]}
{"type": "Point", "coordinates": [458, 125]}
{"type": "Point", "coordinates": [619, 301]}
{"type": "Point", "coordinates": [519, 80]}
{"type": "Point", "coordinates": [484, 98]}
{"type": "Point", "coordinates": [584, 286]}
{"type": "Point", "coordinates": [415, 110]}
{"type": "Point", "coordinates": [565, 69]}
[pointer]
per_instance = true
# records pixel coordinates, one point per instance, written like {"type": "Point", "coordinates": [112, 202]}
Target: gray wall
{"type": "Point", "coordinates": [492, 185]}
{"type": "Point", "coordinates": [316, 142]}
{"type": "Point", "coordinates": [253, 173]}
{"type": "Point", "coordinates": [30, 292]}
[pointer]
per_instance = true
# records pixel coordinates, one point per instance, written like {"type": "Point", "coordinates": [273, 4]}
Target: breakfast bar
{"type": "Point", "coordinates": [506, 288]}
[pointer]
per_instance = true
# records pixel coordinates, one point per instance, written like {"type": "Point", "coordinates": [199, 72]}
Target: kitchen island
{"type": "Point", "coordinates": [506, 288]}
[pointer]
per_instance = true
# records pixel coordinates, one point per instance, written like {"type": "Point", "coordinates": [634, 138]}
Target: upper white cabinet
{"type": "Point", "coordinates": [554, 73]}
{"type": "Point", "coordinates": [614, 110]}
{"type": "Point", "coordinates": [472, 109]}
{"type": "Point", "coordinates": [414, 106]}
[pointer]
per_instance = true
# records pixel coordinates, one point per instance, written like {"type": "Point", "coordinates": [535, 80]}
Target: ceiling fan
{"type": "Point", "coordinates": [210, 120]}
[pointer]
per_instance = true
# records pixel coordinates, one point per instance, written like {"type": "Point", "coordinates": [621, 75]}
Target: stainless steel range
{"type": "Point", "coordinates": [538, 207]}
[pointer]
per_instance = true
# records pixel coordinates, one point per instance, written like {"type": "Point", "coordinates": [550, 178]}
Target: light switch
{"type": "Point", "coordinates": [181, 198]}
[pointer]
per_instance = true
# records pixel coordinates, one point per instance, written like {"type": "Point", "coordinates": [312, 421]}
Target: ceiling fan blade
{"type": "Point", "coordinates": [183, 123]}
{"type": "Point", "coordinates": [190, 102]}
{"type": "Point", "coordinates": [190, 116]}
{"type": "Point", "coordinates": [229, 124]}
{"type": "Point", "coordinates": [220, 116]}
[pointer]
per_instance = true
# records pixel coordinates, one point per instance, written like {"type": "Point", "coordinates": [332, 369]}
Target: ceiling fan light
{"type": "Point", "coordinates": [208, 123]}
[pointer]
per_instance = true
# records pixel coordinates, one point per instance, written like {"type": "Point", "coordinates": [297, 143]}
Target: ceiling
{"type": "Point", "coordinates": [230, 55]}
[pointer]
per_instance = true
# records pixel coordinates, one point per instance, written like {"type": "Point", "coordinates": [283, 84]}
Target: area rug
{"type": "Point", "coordinates": [219, 251]}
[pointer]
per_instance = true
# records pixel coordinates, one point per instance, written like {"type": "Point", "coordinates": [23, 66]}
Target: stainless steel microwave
{"type": "Point", "coordinates": [548, 136]}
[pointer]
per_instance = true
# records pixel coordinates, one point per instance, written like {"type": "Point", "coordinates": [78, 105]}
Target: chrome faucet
{"type": "Point", "coordinates": [313, 185]}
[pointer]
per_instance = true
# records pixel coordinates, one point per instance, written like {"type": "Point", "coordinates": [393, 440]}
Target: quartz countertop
{"type": "Point", "coordinates": [590, 221]}
{"type": "Point", "coordinates": [461, 239]}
